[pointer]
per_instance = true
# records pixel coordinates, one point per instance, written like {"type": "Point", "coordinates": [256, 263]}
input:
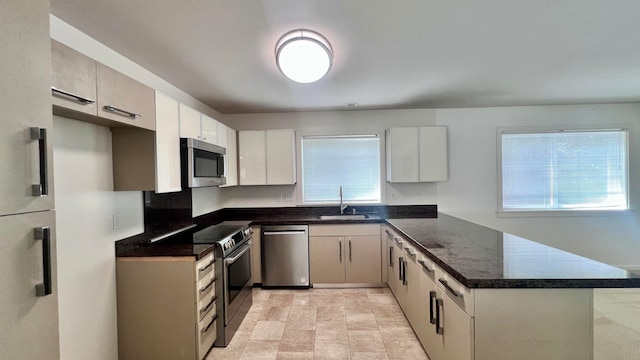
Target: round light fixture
{"type": "Point", "coordinates": [304, 56]}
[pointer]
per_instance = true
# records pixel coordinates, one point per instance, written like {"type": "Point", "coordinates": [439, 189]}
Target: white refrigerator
{"type": "Point", "coordinates": [28, 289]}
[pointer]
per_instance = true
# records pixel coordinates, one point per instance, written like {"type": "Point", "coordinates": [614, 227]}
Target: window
{"type": "Point", "coordinates": [563, 170]}
{"type": "Point", "coordinates": [352, 162]}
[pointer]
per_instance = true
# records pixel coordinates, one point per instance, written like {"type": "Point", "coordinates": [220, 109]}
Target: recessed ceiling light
{"type": "Point", "coordinates": [304, 56]}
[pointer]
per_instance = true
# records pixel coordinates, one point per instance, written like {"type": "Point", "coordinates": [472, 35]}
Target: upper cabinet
{"type": "Point", "coordinates": [231, 158]}
{"type": "Point", "coordinates": [149, 160]}
{"type": "Point", "coordinates": [417, 154]}
{"type": "Point", "coordinates": [196, 125]}
{"type": "Point", "coordinates": [84, 89]}
{"type": "Point", "coordinates": [267, 157]}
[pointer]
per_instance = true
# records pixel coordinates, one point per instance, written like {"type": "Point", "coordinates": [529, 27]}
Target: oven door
{"type": "Point", "coordinates": [237, 281]}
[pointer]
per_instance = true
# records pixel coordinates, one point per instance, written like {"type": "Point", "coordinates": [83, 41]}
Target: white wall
{"type": "Point", "coordinates": [348, 122]}
{"type": "Point", "coordinates": [85, 204]}
{"type": "Point", "coordinates": [471, 192]}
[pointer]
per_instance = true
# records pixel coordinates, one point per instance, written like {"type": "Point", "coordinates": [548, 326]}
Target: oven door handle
{"type": "Point", "coordinates": [233, 259]}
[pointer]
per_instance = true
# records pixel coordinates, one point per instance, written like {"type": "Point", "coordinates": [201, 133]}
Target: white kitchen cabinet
{"type": "Point", "coordinates": [149, 160]}
{"type": "Point", "coordinates": [28, 298]}
{"type": "Point", "coordinates": [231, 158]}
{"type": "Point", "coordinates": [267, 157]}
{"type": "Point", "coordinates": [209, 129]}
{"type": "Point", "coordinates": [223, 136]}
{"type": "Point", "coordinates": [342, 254]}
{"type": "Point", "coordinates": [189, 122]}
{"type": "Point", "coordinates": [166, 307]}
{"type": "Point", "coordinates": [416, 154]}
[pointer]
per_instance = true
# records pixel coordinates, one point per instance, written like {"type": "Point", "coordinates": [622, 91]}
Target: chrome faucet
{"type": "Point", "coordinates": [342, 206]}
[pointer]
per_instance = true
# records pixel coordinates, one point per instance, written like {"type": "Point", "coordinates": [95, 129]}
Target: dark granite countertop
{"type": "Point", "coordinates": [480, 257]}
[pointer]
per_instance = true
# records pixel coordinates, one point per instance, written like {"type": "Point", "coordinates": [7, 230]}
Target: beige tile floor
{"type": "Point", "coordinates": [323, 324]}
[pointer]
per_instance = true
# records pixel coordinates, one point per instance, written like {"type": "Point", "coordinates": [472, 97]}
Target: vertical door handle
{"type": "Point", "coordinates": [400, 268]}
{"type": "Point", "coordinates": [349, 249]}
{"type": "Point", "coordinates": [44, 234]}
{"type": "Point", "coordinates": [41, 189]}
{"type": "Point", "coordinates": [340, 249]}
{"type": "Point", "coordinates": [439, 327]}
{"type": "Point", "coordinates": [404, 272]}
{"type": "Point", "coordinates": [432, 298]}
{"type": "Point", "coordinates": [390, 256]}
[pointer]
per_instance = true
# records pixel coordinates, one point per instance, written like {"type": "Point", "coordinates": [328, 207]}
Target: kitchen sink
{"type": "Point", "coordinates": [344, 217]}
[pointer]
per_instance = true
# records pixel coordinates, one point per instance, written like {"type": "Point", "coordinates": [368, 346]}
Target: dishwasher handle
{"type": "Point", "coordinates": [285, 232]}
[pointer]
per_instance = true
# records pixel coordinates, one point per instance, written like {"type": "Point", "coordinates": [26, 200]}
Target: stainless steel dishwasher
{"type": "Point", "coordinates": [285, 255]}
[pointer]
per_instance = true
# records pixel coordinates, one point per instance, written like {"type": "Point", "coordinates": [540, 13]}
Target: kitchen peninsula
{"type": "Point", "coordinates": [462, 286]}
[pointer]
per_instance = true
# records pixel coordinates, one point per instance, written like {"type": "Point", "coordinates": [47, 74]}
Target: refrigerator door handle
{"type": "Point", "coordinates": [44, 234]}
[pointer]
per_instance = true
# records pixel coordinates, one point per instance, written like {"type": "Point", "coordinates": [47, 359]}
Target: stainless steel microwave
{"type": "Point", "coordinates": [202, 164]}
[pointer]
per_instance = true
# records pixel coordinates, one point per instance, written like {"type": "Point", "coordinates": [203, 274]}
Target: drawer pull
{"type": "Point", "coordinates": [390, 256]}
{"type": "Point", "coordinates": [114, 109]}
{"type": "Point", "coordinates": [388, 234]}
{"type": "Point", "coordinates": [206, 328]}
{"type": "Point", "coordinates": [205, 268]}
{"type": "Point", "coordinates": [82, 100]}
{"type": "Point", "coordinates": [44, 234]}
{"type": "Point", "coordinates": [204, 289]}
{"type": "Point", "coordinates": [425, 267]}
{"type": "Point", "coordinates": [451, 290]}
{"type": "Point", "coordinates": [411, 253]}
{"type": "Point", "coordinates": [206, 308]}
{"type": "Point", "coordinates": [432, 301]}
{"type": "Point", "coordinates": [42, 188]}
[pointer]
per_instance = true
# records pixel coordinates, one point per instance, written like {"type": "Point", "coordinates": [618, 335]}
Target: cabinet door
{"type": "Point", "coordinates": [402, 155]}
{"type": "Point", "coordinates": [120, 98]}
{"type": "Point", "coordinates": [232, 158]}
{"type": "Point", "coordinates": [251, 150]}
{"type": "Point", "coordinates": [413, 307]}
{"type": "Point", "coordinates": [29, 326]}
{"type": "Point", "coordinates": [392, 264]}
{"type": "Point", "coordinates": [73, 79]}
{"type": "Point", "coordinates": [223, 136]}
{"type": "Point", "coordinates": [167, 152]}
{"type": "Point", "coordinates": [209, 129]}
{"type": "Point", "coordinates": [363, 259]}
{"type": "Point", "coordinates": [25, 100]}
{"type": "Point", "coordinates": [281, 159]}
{"type": "Point", "coordinates": [401, 288]}
{"type": "Point", "coordinates": [327, 259]}
{"type": "Point", "coordinates": [457, 330]}
{"type": "Point", "coordinates": [189, 122]}
{"type": "Point", "coordinates": [433, 153]}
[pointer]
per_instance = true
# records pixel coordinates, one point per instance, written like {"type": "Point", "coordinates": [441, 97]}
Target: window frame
{"type": "Point", "coordinates": [381, 147]}
{"type": "Point", "coordinates": [501, 212]}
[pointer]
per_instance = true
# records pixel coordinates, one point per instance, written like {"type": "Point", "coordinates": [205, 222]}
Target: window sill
{"type": "Point", "coordinates": [569, 213]}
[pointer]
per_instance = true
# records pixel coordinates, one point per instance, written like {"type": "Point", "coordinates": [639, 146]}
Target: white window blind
{"type": "Point", "coordinates": [564, 170]}
{"type": "Point", "coordinates": [352, 162]}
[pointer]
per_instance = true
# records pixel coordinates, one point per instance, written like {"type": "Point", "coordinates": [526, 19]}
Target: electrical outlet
{"type": "Point", "coordinates": [288, 197]}
{"type": "Point", "coordinates": [393, 195]}
{"type": "Point", "coordinates": [280, 197]}
{"type": "Point", "coordinates": [116, 221]}
{"type": "Point", "coordinates": [422, 194]}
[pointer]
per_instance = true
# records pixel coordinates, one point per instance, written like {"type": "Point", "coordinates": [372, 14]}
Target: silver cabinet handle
{"type": "Point", "coordinates": [439, 327]}
{"type": "Point", "coordinates": [61, 93]}
{"type": "Point", "coordinates": [451, 290]}
{"type": "Point", "coordinates": [208, 306]}
{"type": "Point", "coordinates": [389, 234]}
{"type": "Point", "coordinates": [432, 301]}
{"type": "Point", "coordinates": [409, 252]}
{"type": "Point", "coordinates": [41, 189]}
{"type": "Point", "coordinates": [44, 234]}
{"type": "Point", "coordinates": [390, 256]}
{"type": "Point", "coordinates": [424, 266]}
{"type": "Point", "coordinates": [349, 250]}
{"type": "Point", "coordinates": [397, 240]}
{"type": "Point", "coordinates": [340, 249]}
{"type": "Point", "coordinates": [116, 110]}
{"type": "Point", "coordinates": [206, 287]}
{"type": "Point", "coordinates": [207, 267]}
{"type": "Point", "coordinates": [206, 328]}
{"type": "Point", "coordinates": [404, 272]}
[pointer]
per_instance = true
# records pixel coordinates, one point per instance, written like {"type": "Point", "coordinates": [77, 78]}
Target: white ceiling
{"type": "Point", "coordinates": [388, 54]}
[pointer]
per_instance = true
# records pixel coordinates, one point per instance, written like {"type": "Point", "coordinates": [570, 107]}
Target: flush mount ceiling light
{"type": "Point", "coordinates": [304, 56]}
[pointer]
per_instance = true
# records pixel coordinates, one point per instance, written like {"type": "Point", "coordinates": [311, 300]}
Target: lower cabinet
{"type": "Point", "coordinates": [340, 254]}
{"type": "Point", "coordinates": [454, 322]}
{"type": "Point", "coordinates": [256, 259]}
{"type": "Point", "coordinates": [166, 307]}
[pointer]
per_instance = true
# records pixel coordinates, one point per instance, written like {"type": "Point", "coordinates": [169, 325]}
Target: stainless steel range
{"type": "Point", "coordinates": [233, 263]}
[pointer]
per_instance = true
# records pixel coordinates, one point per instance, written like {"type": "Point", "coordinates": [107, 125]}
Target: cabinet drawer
{"type": "Point", "coordinates": [207, 331]}
{"type": "Point", "coordinates": [458, 293]}
{"type": "Point", "coordinates": [120, 98]}
{"type": "Point", "coordinates": [344, 230]}
{"type": "Point", "coordinates": [207, 303]}
{"type": "Point", "coordinates": [204, 266]}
